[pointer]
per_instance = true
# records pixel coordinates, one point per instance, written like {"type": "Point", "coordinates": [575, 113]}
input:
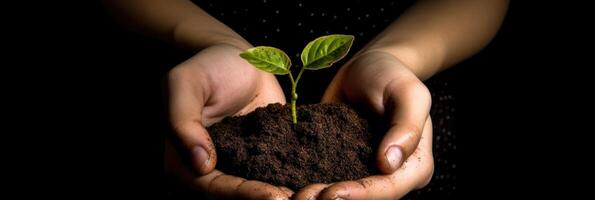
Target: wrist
{"type": "Point", "coordinates": [191, 36]}
{"type": "Point", "coordinates": [409, 57]}
{"type": "Point", "coordinates": [239, 43]}
{"type": "Point", "coordinates": [423, 64]}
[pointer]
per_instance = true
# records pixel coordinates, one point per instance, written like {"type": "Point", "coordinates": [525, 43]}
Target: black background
{"type": "Point", "coordinates": [81, 99]}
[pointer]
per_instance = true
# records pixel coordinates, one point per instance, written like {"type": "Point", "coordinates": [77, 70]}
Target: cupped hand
{"type": "Point", "coordinates": [209, 86]}
{"type": "Point", "coordinates": [385, 85]}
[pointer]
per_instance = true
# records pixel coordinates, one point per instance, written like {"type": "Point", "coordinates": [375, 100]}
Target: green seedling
{"type": "Point", "coordinates": [318, 54]}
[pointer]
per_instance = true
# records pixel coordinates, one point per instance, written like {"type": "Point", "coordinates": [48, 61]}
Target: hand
{"type": "Point", "coordinates": [386, 86]}
{"type": "Point", "coordinates": [211, 85]}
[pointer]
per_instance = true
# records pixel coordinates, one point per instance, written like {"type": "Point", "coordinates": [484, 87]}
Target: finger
{"type": "Point", "coordinates": [407, 102]}
{"type": "Point", "coordinates": [332, 95]}
{"type": "Point", "coordinates": [374, 187]}
{"type": "Point", "coordinates": [424, 158]}
{"type": "Point", "coordinates": [287, 191]}
{"type": "Point", "coordinates": [173, 164]}
{"type": "Point", "coordinates": [415, 173]}
{"type": "Point", "coordinates": [186, 104]}
{"type": "Point", "coordinates": [259, 190]}
{"type": "Point", "coordinates": [333, 92]}
{"type": "Point", "coordinates": [223, 186]}
{"type": "Point", "coordinates": [310, 192]}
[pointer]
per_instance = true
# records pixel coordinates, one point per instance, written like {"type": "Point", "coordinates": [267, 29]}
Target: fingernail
{"type": "Point", "coordinates": [200, 156]}
{"type": "Point", "coordinates": [394, 156]}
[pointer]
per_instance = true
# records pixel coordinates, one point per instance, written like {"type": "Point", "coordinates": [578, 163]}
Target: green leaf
{"type": "Point", "coordinates": [326, 50]}
{"type": "Point", "coordinates": [268, 59]}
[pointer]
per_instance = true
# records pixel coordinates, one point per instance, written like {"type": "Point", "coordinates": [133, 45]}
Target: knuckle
{"type": "Point", "coordinates": [275, 195]}
{"type": "Point", "coordinates": [412, 133]}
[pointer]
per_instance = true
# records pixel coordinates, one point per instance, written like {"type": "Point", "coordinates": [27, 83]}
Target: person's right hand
{"type": "Point", "coordinates": [211, 85]}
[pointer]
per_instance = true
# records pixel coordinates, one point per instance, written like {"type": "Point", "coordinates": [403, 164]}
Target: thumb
{"type": "Point", "coordinates": [407, 104]}
{"type": "Point", "coordinates": [197, 141]}
{"type": "Point", "coordinates": [186, 103]}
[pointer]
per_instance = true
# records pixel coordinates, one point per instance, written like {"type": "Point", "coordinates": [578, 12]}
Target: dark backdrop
{"type": "Point", "coordinates": [86, 98]}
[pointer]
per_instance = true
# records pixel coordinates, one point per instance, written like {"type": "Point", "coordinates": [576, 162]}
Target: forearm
{"type": "Point", "coordinates": [178, 21]}
{"type": "Point", "coordinates": [433, 35]}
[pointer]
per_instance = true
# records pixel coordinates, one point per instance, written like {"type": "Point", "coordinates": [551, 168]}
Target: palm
{"type": "Point", "coordinates": [234, 86]}
{"type": "Point", "coordinates": [382, 83]}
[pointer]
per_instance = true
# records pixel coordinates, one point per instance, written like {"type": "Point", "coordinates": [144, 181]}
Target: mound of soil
{"type": "Point", "coordinates": [330, 143]}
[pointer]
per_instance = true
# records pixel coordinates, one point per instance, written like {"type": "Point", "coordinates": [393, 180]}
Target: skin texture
{"type": "Point", "coordinates": [213, 84]}
{"type": "Point", "coordinates": [386, 75]}
{"type": "Point", "coordinates": [384, 84]}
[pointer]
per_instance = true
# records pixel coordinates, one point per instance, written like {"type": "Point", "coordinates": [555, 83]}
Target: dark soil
{"type": "Point", "coordinates": [330, 143]}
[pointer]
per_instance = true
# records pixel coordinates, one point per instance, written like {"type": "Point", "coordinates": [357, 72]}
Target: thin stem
{"type": "Point", "coordinates": [292, 80]}
{"type": "Point", "coordinates": [293, 98]}
{"type": "Point", "coordinates": [299, 75]}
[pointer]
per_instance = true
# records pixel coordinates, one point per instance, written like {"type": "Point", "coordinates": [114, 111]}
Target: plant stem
{"type": "Point", "coordinates": [294, 95]}
{"type": "Point", "coordinates": [299, 76]}
{"type": "Point", "coordinates": [293, 101]}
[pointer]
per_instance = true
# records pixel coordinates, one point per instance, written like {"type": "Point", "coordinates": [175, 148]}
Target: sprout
{"type": "Point", "coordinates": [318, 54]}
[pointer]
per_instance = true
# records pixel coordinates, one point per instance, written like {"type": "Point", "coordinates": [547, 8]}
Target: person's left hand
{"type": "Point", "coordinates": [383, 83]}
